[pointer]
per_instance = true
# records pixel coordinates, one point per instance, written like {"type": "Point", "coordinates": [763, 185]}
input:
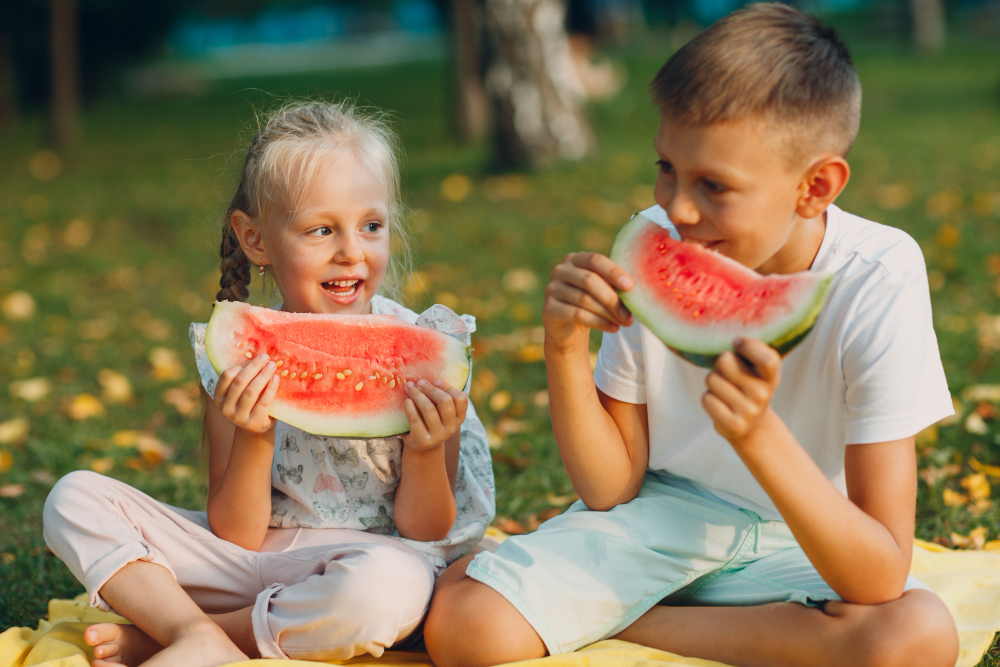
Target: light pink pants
{"type": "Point", "coordinates": [317, 594]}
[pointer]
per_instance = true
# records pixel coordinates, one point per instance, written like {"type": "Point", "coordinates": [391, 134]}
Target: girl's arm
{"type": "Point", "coordinates": [241, 451]}
{"type": "Point", "coordinates": [861, 544]}
{"type": "Point", "coordinates": [424, 508]}
{"type": "Point", "coordinates": [604, 443]}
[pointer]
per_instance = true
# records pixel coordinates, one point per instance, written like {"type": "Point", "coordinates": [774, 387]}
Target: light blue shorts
{"type": "Point", "coordinates": [584, 576]}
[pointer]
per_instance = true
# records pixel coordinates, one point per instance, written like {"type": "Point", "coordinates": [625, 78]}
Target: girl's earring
{"type": "Point", "coordinates": [261, 269]}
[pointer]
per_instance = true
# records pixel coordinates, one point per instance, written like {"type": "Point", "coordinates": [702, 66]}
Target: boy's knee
{"type": "Point", "coordinates": [916, 629]}
{"type": "Point", "coordinates": [471, 625]}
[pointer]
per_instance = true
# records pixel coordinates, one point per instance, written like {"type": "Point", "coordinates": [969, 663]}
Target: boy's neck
{"type": "Point", "coordinates": [801, 248]}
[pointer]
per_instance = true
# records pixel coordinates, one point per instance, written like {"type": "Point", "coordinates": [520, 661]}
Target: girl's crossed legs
{"type": "Point", "coordinates": [309, 593]}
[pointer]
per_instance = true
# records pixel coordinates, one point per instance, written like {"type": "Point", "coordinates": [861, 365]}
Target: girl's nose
{"type": "Point", "coordinates": [349, 251]}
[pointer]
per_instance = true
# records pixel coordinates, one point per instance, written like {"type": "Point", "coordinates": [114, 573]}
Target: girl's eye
{"type": "Point", "coordinates": [372, 227]}
{"type": "Point", "coordinates": [713, 187]}
{"type": "Point", "coordinates": [321, 231]}
{"type": "Point", "coordinates": [665, 166]}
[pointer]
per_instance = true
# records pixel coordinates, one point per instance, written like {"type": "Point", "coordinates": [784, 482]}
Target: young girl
{"type": "Point", "coordinates": [312, 547]}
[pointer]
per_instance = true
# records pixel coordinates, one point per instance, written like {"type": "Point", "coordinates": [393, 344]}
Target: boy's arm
{"type": "Point", "coordinates": [603, 442]}
{"type": "Point", "coordinates": [861, 545]}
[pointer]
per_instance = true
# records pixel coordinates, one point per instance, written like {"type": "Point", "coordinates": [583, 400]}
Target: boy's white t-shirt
{"type": "Point", "coordinates": [868, 372]}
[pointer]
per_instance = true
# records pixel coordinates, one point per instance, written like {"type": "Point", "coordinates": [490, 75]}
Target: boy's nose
{"type": "Point", "coordinates": [681, 209]}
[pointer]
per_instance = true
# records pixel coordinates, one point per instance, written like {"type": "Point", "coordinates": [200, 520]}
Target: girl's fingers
{"type": "Point", "coordinates": [428, 411]}
{"type": "Point", "coordinates": [248, 397]}
{"type": "Point", "coordinates": [239, 383]}
{"type": "Point", "coordinates": [418, 430]}
{"type": "Point", "coordinates": [460, 399]}
{"type": "Point", "coordinates": [445, 402]}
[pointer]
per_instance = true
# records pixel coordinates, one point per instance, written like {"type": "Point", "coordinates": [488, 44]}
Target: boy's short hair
{"type": "Point", "coordinates": [769, 62]}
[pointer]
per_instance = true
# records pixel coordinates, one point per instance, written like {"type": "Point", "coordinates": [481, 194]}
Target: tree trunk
{"type": "Point", "coordinates": [472, 104]}
{"type": "Point", "coordinates": [65, 75]}
{"type": "Point", "coordinates": [928, 24]}
{"type": "Point", "coordinates": [8, 93]}
{"type": "Point", "coordinates": [533, 85]}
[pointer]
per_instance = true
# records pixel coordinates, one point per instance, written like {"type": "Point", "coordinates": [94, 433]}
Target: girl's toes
{"type": "Point", "coordinates": [101, 633]}
{"type": "Point", "coordinates": [105, 651]}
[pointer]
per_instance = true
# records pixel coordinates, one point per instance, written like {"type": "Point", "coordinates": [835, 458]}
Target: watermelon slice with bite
{"type": "Point", "coordinates": [341, 375]}
{"type": "Point", "coordinates": [697, 301]}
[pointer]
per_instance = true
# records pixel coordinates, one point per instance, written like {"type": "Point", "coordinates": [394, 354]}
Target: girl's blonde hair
{"type": "Point", "coordinates": [281, 162]}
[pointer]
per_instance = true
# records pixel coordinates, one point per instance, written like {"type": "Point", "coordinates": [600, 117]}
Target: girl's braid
{"type": "Point", "coordinates": [234, 265]}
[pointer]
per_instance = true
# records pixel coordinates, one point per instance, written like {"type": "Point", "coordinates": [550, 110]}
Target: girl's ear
{"type": "Point", "coordinates": [823, 181]}
{"type": "Point", "coordinates": [250, 238]}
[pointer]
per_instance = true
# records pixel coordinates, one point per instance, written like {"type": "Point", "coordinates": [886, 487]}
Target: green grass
{"type": "Point", "coordinates": [150, 178]}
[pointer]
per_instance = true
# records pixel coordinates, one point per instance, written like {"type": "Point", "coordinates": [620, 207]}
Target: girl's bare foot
{"type": "Point", "coordinates": [203, 644]}
{"type": "Point", "coordinates": [117, 644]}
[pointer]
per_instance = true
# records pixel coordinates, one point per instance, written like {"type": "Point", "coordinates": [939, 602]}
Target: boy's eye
{"type": "Point", "coordinates": [714, 187]}
{"type": "Point", "coordinates": [665, 166]}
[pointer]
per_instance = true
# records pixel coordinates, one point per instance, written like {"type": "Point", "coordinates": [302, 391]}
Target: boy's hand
{"type": "Point", "coordinates": [245, 392]}
{"type": "Point", "coordinates": [581, 296]}
{"type": "Point", "coordinates": [739, 393]}
{"type": "Point", "coordinates": [435, 412]}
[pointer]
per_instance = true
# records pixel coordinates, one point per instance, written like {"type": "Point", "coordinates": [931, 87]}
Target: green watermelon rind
{"type": "Point", "coordinates": [783, 336]}
{"type": "Point", "coordinates": [457, 375]}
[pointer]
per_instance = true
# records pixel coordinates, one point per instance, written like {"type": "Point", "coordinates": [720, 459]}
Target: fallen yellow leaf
{"type": "Point", "coordinates": [31, 390]}
{"type": "Point", "coordinates": [11, 490]}
{"type": "Point", "coordinates": [992, 471]}
{"type": "Point", "coordinates": [18, 306]}
{"type": "Point", "coordinates": [500, 400]}
{"type": "Point", "coordinates": [14, 430]}
{"type": "Point", "coordinates": [115, 387]}
{"type": "Point", "coordinates": [166, 364]}
{"type": "Point", "coordinates": [84, 406]}
{"type": "Point", "coordinates": [977, 485]}
{"type": "Point", "coordinates": [6, 461]}
{"type": "Point", "coordinates": [456, 187]}
{"type": "Point", "coordinates": [102, 465]}
{"type": "Point", "coordinates": [954, 498]}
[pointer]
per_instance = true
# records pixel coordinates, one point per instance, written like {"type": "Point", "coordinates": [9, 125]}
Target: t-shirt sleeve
{"type": "Point", "coordinates": [895, 382]}
{"type": "Point", "coordinates": [209, 378]}
{"type": "Point", "coordinates": [620, 372]}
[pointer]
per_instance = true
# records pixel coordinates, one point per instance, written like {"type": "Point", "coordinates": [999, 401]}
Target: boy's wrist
{"type": "Point", "coordinates": [757, 439]}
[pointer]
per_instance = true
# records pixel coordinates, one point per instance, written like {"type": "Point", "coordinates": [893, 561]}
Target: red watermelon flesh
{"type": "Point", "coordinates": [697, 301]}
{"type": "Point", "coordinates": [341, 375]}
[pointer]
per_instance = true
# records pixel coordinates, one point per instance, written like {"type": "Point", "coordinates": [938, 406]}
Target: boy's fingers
{"type": "Point", "coordinates": [603, 266]}
{"type": "Point", "coordinates": [582, 299]}
{"type": "Point", "coordinates": [568, 313]}
{"type": "Point", "coordinates": [728, 393]}
{"type": "Point", "coordinates": [743, 376]}
{"type": "Point", "coordinates": [599, 290]}
{"type": "Point", "coordinates": [765, 359]}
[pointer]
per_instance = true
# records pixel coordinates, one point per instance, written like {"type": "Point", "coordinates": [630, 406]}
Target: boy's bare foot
{"type": "Point", "coordinates": [119, 644]}
{"type": "Point", "coordinates": [204, 644]}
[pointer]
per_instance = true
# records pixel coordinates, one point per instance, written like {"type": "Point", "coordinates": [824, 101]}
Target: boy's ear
{"type": "Point", "coordinates": [823, 181]}
{"type": "Point", "coordinates": [250, 238]}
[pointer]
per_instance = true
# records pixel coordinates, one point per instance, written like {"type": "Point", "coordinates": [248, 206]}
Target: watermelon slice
{"type": "Point", "coordinates": [341, 375]}
{"type": "Point", "coordinates": [697, 301]}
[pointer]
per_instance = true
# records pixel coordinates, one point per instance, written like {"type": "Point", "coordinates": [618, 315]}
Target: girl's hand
{"type": "Point", "coordinates": [435, 411]}
{"type": "Point", "coordinates": [581, 296]}
{"type": "Point", "coordinates": [244, 394]}
{"type": "Point", "coordinates": [739, 393]}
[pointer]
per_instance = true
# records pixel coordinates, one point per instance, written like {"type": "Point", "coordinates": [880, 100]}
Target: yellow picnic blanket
{"type": "Point", "coordinates": [968, 582]}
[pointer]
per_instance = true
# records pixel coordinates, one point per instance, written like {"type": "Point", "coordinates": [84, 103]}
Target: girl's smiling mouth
{"type": "Point", "coordinates": [344, 291]}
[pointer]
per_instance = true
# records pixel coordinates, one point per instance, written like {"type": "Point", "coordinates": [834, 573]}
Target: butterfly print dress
{"type": "Point", "coordinates": [326, 482]}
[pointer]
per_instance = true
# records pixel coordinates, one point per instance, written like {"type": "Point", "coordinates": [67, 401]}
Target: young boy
{"type": "Point", "coordinates": [761, 513]}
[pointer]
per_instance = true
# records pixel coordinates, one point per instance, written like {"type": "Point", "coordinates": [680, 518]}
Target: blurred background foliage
{"type": "Point", "coordinates": [108, 242]}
